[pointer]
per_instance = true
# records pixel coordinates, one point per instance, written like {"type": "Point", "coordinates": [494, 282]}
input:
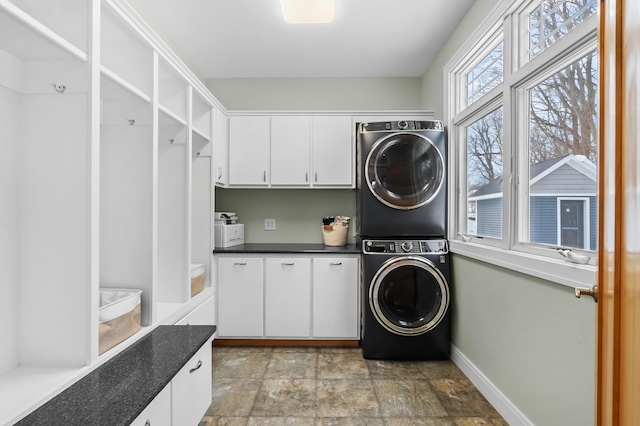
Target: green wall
{"type": "Point", "coordinates": [318, 93]}
{"type": "Point", "coordinates": [532, 339]}
{"type": "Point", "coordinates": [298, 212]}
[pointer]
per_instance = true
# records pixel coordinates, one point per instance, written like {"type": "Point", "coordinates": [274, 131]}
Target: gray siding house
{"type": "Point", "coordinates": [562, 204]}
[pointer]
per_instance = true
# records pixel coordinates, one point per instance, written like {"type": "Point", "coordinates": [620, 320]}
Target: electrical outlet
{"type": "Point", "coordinates": [269, 224]}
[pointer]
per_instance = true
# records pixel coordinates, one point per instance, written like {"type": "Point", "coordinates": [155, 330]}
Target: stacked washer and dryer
{"type": "Point", "coordinates": [401, 223]}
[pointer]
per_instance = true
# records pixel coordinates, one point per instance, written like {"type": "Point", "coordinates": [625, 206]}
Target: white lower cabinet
{"type": "Point", "coordinates": [304, 297]}
{"type": "Point", "coordinates": [335, 297]}
{"type": "Point", "coordinates": [158, 412]}
{"type": "Point", "coordinates": [191, 389]}
{"type": "Point", "coordinates": [240, 298]}
{"type": "Point", "coordinates": [287, 299]}
{"type": "Point", "coordinates": [185, 400]}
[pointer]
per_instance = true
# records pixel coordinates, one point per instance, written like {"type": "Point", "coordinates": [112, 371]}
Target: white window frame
{"type": "Point", "coordinates": [505, 23]}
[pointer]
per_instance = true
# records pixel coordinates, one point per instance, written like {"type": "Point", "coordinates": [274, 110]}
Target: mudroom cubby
{"type": "Point", "coordinates": [105, 182]}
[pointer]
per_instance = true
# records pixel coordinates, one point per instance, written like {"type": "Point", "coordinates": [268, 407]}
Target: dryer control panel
{"type": "Point", "coordinates": [404, 246]}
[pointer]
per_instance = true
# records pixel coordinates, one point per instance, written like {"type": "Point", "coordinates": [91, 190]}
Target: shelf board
{"type": "Point", "coordinates": [120, 83]}
{"type": "Point", "coordinates": [174, 119]}
{"type": "Point", "coordinates": [32, 40]}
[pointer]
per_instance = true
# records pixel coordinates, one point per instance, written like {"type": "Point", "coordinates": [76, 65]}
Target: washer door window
{"type": "Point", "coordinates": [404, 170]}
{"type": "Point", "coordinates": [408, 295]}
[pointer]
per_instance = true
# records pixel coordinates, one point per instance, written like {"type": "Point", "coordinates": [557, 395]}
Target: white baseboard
{"type": "Point", "coordinates": [507, 410]}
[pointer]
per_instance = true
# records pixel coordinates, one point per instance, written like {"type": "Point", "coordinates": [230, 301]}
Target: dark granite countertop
{"type": "Point", "coordinates": [119, 390]}
{"type": "Point", "coordinates": [289, 248]}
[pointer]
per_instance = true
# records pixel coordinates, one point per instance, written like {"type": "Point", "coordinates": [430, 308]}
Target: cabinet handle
{"type": "Point", "coordinates": [306, 176]}
{"type": "Point", "coordinates": [147, 423]}
{"type": "Point", "coordinates": [316, 176]}
{"type": "Point", "coordinates": [197, 367]}
{"type": "Point", "coordinates": [219, 172]}
{"type": "Point", "coordinates": [288, 264]}
{"type": "Point", "coordinates": [335, 263]}
{"type": "Point", "coordinates": [239, 263]}
{"type": "Point", "coordinates": [264, 176]}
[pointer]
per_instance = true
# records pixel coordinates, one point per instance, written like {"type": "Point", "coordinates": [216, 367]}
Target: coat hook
{"type": "Point", "coordinates": [60, 88]}
{"type": "Point", "coordinates": [131, 121]}
{"type": "Point", "coordinates": [172, 140]}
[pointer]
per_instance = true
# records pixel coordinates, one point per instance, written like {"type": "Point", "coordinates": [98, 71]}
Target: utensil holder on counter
{"type": "Point", "coordinates": [335, 235]}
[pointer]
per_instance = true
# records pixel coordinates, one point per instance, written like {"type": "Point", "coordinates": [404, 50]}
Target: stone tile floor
{"type": "Point", "coordinates": [336, 386]}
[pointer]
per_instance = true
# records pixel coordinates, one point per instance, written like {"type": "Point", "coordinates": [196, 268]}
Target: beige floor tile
{"type": "Point", "coordinates": [281, 421]}
{"type": "Point", "coordinates": [414, 421]}
{"type": "Point", "coordinates": [478, 421]}
{"type": "Point", "coordinates": [347, 398]}
{"type": "Point", "coordinates": [461, 399]}
{"type": "Point", "coordinates": [292, 365]}
{"type": "Point", "coordinates": [286, 397]}
{"type": "Point", "coordinates": [342, 365]}
{"type": "Point", "coordinates": [407, 398]}
{"type": "Point", "coordinates": [396, 369]}
{"type": "Point", "coordinates": [223, 421]}
{"type": "Point", "coordinates": [233, 397]}
{"type": "Point", "coordinates": [350, 421]}
{"type": "Point", "coordinates": [242, 365]}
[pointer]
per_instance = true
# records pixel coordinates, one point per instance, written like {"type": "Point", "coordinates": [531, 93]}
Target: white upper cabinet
{"type": "Point", "coordinates": [290, 150]}
{"type": "Point", "coordinates": [221, 144]}
{"type": "Point", "coordinates": [333, 151]}
{"type": "Point", "coordinates": [294, 151]}
{"type": "Point", "coordinates": [249, 150]}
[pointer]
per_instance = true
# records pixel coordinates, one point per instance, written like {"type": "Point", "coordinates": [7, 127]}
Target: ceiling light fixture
{"type": "Point", "coordinates": [307, 11]}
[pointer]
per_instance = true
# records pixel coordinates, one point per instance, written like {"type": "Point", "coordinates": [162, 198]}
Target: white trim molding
{"type": "Point", "coordinates": [497, 399]}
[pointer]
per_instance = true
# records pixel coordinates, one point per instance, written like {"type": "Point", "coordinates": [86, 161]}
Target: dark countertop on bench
{"type": "Point", "coordinates": [288, 248]}
{"type": "Point", "coordinates": [119, 390]}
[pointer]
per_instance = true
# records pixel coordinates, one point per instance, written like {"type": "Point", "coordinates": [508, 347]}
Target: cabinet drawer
{"type": "Point", "coordinates": [158, 412]}
{"type": "Point", "coordinates": [202, 315]}
{"type": "Point", "coordinates": [191, 389]}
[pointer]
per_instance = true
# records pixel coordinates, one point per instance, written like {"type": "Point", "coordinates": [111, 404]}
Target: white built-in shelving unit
{"type": "Point", "coordinates": [106, 180]}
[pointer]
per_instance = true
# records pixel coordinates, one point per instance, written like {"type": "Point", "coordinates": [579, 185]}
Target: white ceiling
{"type": "Point", "coordinates": [249, 38]}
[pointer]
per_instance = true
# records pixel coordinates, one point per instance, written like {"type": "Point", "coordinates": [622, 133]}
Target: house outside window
{"type": "Point", "coordinates": [522, 123]}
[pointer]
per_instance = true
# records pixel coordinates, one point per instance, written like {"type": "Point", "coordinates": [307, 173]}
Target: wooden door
{"type": "Point", "coordinates": [618, 371]}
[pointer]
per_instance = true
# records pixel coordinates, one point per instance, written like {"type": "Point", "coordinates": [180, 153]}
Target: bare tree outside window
{"type": "Point", "coordinates": [553, 19]}
{"type": "Point", "coordinates": [564, 113]}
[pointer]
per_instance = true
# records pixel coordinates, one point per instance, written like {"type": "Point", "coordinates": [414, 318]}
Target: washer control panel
{"type": "Point", "coordinates": [385, 126]}
{"type": "Point", "coordinates": [404, 246]}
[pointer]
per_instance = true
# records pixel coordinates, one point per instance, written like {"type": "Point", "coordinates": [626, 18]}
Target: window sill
{"type": "Point", "coordinates": [557, 271]}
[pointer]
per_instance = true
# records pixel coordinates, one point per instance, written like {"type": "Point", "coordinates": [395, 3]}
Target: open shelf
{"type": "Point", "coordinates": [27, 38]}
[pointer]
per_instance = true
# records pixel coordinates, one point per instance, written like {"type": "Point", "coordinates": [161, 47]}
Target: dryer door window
{"type": "Point", "coordinates": [408, 295]}
{"type": "Point", "coordinates": [404, 170]}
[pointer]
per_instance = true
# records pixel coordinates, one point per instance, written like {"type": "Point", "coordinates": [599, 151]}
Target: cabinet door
{"type": "Point", "coordinates": [240, 297]}
{"type": "Point", "coordinates": [290, 150]}
{"type": "Point", "coordinates": [333, 142]}
{"type": "Point", "coordinates": [221, 142]}
{"type": "Point", "coordinates": [158, 412]}
{"type": "Point", "coordinates": [249, 151]}
{"type": "Point", "coordinates": [191, 389]}
{"type": "Point", "coordinates": [288, 297]}
{"type": "Point", "coordinates": [335, 297]}
{"type": "Point", "coordinates": [202, 315]}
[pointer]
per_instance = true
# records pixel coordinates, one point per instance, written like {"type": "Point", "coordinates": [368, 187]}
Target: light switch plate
{"type": "Point", "coordinates": [269, 224]}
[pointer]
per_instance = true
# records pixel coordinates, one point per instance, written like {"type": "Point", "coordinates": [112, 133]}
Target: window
{"type": "Point", "coordinates": [523, 130]}
{"type": "Point", "coordinates": [551, 20]}
{"type": "Point", "coordinates": [484, 174]}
